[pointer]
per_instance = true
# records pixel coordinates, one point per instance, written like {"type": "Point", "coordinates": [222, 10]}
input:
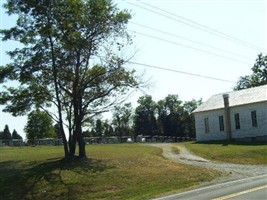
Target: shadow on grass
{"type": "Point", "coordinates": [226, 143]}
{"type": "Point", "coordinates": [45, 180]}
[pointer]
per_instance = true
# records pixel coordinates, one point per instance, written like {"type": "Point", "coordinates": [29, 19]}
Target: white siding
{"type": "Point", "coordinates": [214, 126]}
{"type": "Point", "coordinates": [246, 128]}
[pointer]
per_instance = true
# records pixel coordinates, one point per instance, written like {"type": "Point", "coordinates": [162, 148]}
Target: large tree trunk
{"type": "Point", "coordinates": [82, 152]}
{"type": "Point", "coordinates": [59, 106]}
{"type": "Point", "coordinates": [72, 145]}
{"type": "Point", "coordinates": [77, 134]}
{"type": "Point", "coordinates": [77, 137]}
{"type": "Point", "coordinates": [65, 143]}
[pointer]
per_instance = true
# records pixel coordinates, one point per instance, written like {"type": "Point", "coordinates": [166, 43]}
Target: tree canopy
{"type": "Point", "coordinates": [258, 76]}
{"type": "Point", "coordinates": [170, 111]}
{"type": "Point", "coordinates": [122, 119]}
{"type": "Point", "coordinates": [69, 60]}
{"type": "Point", "coordinates": [5, 135]}
{"type": "Point", "coordinates": [39, 126]}
{"type": "Point", "coordinates": [15, 135]}
{"type": "Point", "coordinates": [145, 120]}
{"type": "Point", "coordinates": [169, 117]}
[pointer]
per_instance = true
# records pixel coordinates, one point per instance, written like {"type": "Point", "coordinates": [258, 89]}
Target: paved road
{"type": "Point", "coordinates": [245, 189]}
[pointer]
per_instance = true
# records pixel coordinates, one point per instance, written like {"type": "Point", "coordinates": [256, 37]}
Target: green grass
{"type": "Point", "coordinates": [129, 171]}
{"type": "Point", "coordinates": [234, 152]}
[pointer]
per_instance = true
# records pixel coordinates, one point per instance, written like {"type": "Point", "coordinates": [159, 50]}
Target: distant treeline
{"type": "Point", "coordinates": [167, 117]}
{"type": "Point", "coordinates": [6, 135]}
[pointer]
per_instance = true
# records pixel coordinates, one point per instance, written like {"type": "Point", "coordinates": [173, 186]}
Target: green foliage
{"type": "Point", "coordinates": [258, 77]}
{"type": "Point", "coordinates": [39, 125]}
{"type": "Point", "coordinates": [167, 117]}
{"type": "Point", "coordinates": [99, 128]}
{"type": "Point", "coordinates": [69, 59]}
{"type": "Point", "coordinates": [5, 135]}
{"type": "Point", "coordinates": [122, 119]}
{"type": "Point", "coordinates": [15, 135]}
{"type": "Point", "coordinates": [145, 122]}
{"type": "Point", "coordinates": [57, 131]}
{"type": "Point", "coordinates": [188, 117]}
{"type": "Point", "coordinates": [170, 116]}
{"type": "Point", "coordinates": [108, 130]}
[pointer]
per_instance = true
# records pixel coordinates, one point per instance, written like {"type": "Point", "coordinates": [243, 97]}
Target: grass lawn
{"type": "Point", "coordinates": [129, 171]}
{"type": "Point", "coordinates": [241, 153]}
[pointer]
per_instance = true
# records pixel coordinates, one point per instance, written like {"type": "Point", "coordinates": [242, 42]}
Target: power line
{"type": "Point", "coordinates": [189, 47]}
{"type": "Point", "coordinates": [186, 46]}
{"type": "Point", "coordinates": [177, 71]}
{"type": "Point", "coordinates": [195, 25]}
{"type": "Point", "coordinates": [180, 72]}
{"type": "Point", "coordinates": [213, 31]}
{"type": "Point", "coordinates": [188, 39]}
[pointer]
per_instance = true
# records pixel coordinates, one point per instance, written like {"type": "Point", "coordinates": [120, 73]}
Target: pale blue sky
{"type": "Point", "coordinates": [183, 47]}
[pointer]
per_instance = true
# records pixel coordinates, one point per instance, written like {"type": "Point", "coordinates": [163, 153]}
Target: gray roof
{"type": "Point", "coordinates": [236, 98]}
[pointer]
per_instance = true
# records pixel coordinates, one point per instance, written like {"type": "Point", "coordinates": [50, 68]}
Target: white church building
{"type": "Point", "coordinates": [237, 115]}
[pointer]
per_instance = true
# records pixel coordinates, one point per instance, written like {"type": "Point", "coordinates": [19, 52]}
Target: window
{"type": "Point", "coordinates": [206, 122]}
{"type": "Point", "coordinates": [237, 121]}
{"type": "Point", "coordinates": [254, 119]}
{"type": "Point", "coordinates": [221, 123]}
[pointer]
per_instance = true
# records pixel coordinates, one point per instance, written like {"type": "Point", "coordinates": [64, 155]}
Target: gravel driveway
{"type": "Point", "coordinates": [231, 171]}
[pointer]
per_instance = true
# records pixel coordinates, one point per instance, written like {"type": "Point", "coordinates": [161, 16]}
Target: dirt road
{"type": "Point", "coordinates": [231, 171]}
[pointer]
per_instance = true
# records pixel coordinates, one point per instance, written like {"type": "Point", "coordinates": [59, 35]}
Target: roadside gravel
{"type": "Point", "coordinates": [231, 171]}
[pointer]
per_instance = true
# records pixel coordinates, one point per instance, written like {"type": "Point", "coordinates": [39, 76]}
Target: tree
{"type": "Point", "coordinates": [243, 83]}
{"type": "Point", "coordinates": [39, 125]}
{"type": "Point", "coordinates": [57, 131]}
{"type": "Point", "coordinates": [15, 135]}
{"type": "Point", "coordinates": [69, 60]}
{"type": "Point", "coordinates": [258, 77]}
{"type": "Point", "coordinates": [6, 135]}
{"type": "Point", "coordinates": [99, 128]}
{"type": "Point", "coordinates": [122, 119]}
{"type": "Point", "coordinates": [170, 111]}
{"type": "Point", "coordinates": [145, 122]}
{"type": "Point", "coordinates": [188, 117]}
{"type": "Point", "coordinates": [108, 130]}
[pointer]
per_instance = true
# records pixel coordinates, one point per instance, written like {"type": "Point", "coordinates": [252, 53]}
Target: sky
{"type": "Point", "coordinates": [182, 47]}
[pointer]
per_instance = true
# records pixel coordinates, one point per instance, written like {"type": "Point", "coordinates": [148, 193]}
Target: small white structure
{"type": "Point", "coordinates": [240, 115]}
{"type": "Point", "coordinates": [46, 141]}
